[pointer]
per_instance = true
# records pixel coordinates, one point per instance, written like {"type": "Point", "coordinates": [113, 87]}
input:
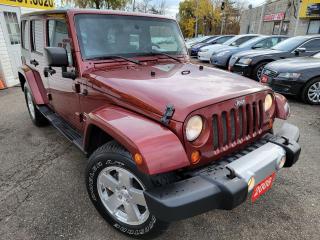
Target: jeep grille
{"type": "Point", "coordinates": [237, 124]}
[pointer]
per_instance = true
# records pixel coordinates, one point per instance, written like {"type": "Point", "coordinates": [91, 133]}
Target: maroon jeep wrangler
{"type": "Point", "coordinates": [166, 139]}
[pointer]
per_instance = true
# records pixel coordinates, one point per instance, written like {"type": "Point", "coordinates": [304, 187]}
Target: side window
{"type": "Point", "coordinates": [162, 38]}
{"type": "Point", "coordinates": [24, 35]}
{"type": "Point", "coordinates": [58, 36]}
{"type": "Point", "coordinates": [312, 45]}
{"type": "Point", "coordinates": [267, 43]}
{"type": "Point", "coordinates": [37, 38]}
{"type": "Point", "coordinates": [242, 40]}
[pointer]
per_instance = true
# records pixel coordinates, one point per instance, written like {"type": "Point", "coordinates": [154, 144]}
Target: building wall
{"type": "Point", "coordinates": [252, 18]}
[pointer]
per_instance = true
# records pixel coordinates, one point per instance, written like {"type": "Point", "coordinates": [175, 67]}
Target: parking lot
{"type": "Point", "coordinates": [43, 195]}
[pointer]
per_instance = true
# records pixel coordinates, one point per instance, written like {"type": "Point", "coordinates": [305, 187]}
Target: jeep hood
{"type": "Point", "coordinates": [185, 86]}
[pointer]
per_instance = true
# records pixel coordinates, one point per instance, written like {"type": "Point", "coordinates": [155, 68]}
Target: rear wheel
{"type": "Point", "coordinates": [116, 187]}
{"type": "Point", "coordinates": [37, 118]}
{"type": "Point", "coordinates": [311, 92]}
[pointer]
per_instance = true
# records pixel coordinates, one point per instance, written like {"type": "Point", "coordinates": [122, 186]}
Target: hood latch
{"type": "Point", "coordinates": [167, 114]}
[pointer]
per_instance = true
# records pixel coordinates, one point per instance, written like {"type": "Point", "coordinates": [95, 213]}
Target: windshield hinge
{"type": "Point", "coordinates": [167, 114]}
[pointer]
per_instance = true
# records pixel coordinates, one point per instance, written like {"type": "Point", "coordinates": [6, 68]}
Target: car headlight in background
{"type": "Point", "coordinates": [194, 128]}
{"type": "Point", "coordinates": [245, 61]}
{"type": "Point", "coordinates": [268, 101]}
{"type": "Point", "coordinates": [222, 53]}
{"type": "Point", "coordinates": [203, 50]}
{"type": "Point", "coordinates": [289, 75]}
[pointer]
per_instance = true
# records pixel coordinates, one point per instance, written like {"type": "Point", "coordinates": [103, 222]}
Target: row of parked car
{"type": "Point", "coordinates": [290, 66]}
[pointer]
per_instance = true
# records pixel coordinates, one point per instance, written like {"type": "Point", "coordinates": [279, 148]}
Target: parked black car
{"type": "Point", "coordinates": [216, 40]}
{"type": "Point", "coordinates": [252, 64]}
{"type": "Point", "coordinates": [295, 76]}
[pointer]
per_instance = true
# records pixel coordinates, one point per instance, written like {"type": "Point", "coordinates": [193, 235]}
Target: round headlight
{"type": "Point", "coordinates": [268, 101]}
{"type": "Point", "coordinates": [194, 128]}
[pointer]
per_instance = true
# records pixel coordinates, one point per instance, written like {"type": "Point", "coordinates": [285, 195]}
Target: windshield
{"type": "Point", "coordinates": [289, 44]}
{"type": "Point", "coordinates": [108, 35]}
{"type": "Point", "coordinates": [251, 41]}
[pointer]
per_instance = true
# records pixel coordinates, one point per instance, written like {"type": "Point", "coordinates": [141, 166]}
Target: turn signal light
{"type": "Point", "coordinates": [251, 183]}
{"type": "Point", "coordinates": [138, 159]}
{"type": "Point", "coordinates": [195, 157]}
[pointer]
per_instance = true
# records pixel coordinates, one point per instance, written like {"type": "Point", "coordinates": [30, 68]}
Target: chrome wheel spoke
{"type": "Point", "coordinates": [124, 179]}
{"type": "Point", "coordinates": [137, 196]}
{"type": "Point", "coordinates": [113, 203]}
{"type": "Point", "coordinates": [109, 182]}
{"type": "Point", "coordinates": [314, 92]}
{"type": "Point", "coordinates": [132, 211]}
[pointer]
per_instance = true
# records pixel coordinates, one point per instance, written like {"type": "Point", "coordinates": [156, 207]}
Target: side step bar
{"type": "Point", "coordinates": [63, 127]}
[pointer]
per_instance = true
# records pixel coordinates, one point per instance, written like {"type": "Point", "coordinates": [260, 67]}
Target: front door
{"type": "Point", "coordinates": [9, 20]}
{"type": "Point", "coordinates": [64, 99]}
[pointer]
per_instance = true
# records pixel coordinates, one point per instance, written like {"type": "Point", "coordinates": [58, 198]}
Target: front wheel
{"type": "Point", "coordinates": [311, 92]}
{"type": "Point", "coordinates": [257, 71]}
{"type": "Point", "coordinates": [116, 187]}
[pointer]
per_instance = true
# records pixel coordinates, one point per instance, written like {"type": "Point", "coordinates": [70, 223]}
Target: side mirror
{"type": "Point", "coordinates": [56, 56]}
{"type": "Point", "coordinates": [300, 50]}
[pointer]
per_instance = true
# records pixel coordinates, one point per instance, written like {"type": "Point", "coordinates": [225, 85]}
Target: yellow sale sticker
{"type": "Point", "coordinates": [41, 4]}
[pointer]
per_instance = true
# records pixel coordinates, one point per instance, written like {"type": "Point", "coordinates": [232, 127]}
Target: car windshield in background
{"type": "Point", "coordinates": [109, 35]}
{"type": "Point", "coordinates": [289, 44]}
{"type": "Point", "coordinates": [240, 40]}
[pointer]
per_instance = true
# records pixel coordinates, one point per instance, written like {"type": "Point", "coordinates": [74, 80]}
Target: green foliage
{"type": "Point", "coordinates": [209, 16]}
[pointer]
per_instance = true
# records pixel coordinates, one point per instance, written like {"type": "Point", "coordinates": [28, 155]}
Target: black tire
{"type": "Point", "coordinates": [111, 155]}
{"type": "Point", "coordinates": [256, 70]}
{"type": "Point", "coordinates": [37, 118]}
{"type": "Point", "coordinates": [304, 95]}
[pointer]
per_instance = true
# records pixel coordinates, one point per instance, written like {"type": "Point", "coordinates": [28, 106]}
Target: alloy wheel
{"type": "Point", "coordinates": [314, 92]}
{"type": "Point", "coordinates": [121, 193]}
{"type": "Point", "coordinates": [259, 72]}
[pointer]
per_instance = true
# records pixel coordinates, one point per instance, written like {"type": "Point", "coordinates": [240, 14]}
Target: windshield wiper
{"type": "Point", "coordinates": [165, 54]}
{"type": "Point", "coordinates": [116, 56]}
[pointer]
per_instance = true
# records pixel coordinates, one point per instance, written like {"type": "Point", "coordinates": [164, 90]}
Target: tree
{"type": "Point", "coordinates": [207, 15]}
{"type": "Point", "coordinates": [98, 4]}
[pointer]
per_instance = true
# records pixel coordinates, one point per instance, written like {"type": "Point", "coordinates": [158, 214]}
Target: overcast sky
{"type": "Point", "coordinates": [172, 6]}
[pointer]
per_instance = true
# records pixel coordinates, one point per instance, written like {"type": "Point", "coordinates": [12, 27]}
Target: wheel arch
{"type": "Point", "coordinates": [34, 82]}
{"type": "Point", "coordinates": [161, 149]}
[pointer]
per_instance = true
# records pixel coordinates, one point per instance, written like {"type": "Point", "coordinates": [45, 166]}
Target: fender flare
{"type": "Point", "coordinates": [35, 84]}
{"type": "Point", "coordinates": [282, 107]}
{"type": "Point", "coordinates": [160, 148]}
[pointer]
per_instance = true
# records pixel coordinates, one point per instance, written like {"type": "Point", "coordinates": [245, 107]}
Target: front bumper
{"type": "Point", "coordinates": [224, 184]}
{"type": "Point", "coordinates": [219, 61]}
{"type": "Point", "coordinates": [244, 70]}
{"type": "Point", "coordinates": [286, 86]}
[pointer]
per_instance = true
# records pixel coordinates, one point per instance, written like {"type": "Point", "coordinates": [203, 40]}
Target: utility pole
{"type": "Point", "coordinates": [222, 17]}
{"type": "Point", "coordinates": [196, 26]}
{"type": "Point", "coordinates": [298, 19]}
{"type": "Point", "coordinates": [134, 5]}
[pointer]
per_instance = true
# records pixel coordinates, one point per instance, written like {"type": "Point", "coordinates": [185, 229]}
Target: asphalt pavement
{"type": "Point", "coordinates": [43, 195]}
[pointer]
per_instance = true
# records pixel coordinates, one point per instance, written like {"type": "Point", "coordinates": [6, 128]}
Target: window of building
{"type": "Point", "coordinates": [12, 27]}
{"type": "Point", "coordinates": [37, 40]}
{"type": "Point", "coordinates": [58, 36]}
{"type": "Point", "coordinates": [24, 35]}
{"type": "Point", "coordinates": [276, 28]}
{"type": "Point", "coordinates": [314, 27]}
{"type": "Point", "coordinates": [285, 28]}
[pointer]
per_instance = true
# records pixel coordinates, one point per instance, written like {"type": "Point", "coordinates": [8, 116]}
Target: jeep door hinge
{"type": "Point", "coordinates": [167, 114]}
{"type": "Point", "coordinates": [80, 116]}
{"type": "Point", "coordinates": [49, 96]}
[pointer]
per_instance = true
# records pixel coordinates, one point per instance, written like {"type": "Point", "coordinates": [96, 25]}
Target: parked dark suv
{"type": "Point", "coordinates": [163, 143]}
{"type": "Point", "coordinates": [252, 63]}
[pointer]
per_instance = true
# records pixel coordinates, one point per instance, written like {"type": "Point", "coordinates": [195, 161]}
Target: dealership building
{"type": "Point", "coordinates": [285, 17]}
{"type": "Point", "coordinates": [10, 55]}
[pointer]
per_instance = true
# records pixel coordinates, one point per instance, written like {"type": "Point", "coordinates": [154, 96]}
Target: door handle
{"type": "Point", "coordinates": [34, 62]}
